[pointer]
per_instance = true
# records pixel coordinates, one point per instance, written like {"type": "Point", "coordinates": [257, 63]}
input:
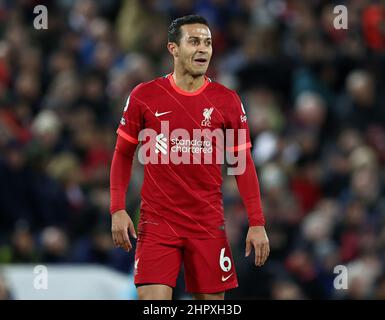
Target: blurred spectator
{"type": "Point", "coordinates": [286, 290]}
{"type": "Point", "coordinates": [5, 293]}
{"type": "Point", "coordinates": [380, 290]}
{"type": "Point", "coordinates": [22, 248]}
{"type": "Point", "coordinates": [54, 245]}
{"type": "Point", "coordinates": [373, 26]}
{"type": "Point", "coordinates": [360, 109]}
{"type": "Point", "coordinates": [362, 275]}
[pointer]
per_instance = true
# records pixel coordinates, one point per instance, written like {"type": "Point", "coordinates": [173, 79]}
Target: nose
{"type": "Point", "coordinates": [202, 48]}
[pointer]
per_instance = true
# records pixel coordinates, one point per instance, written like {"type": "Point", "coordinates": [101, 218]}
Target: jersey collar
{"type": "Point", "coordinates": [187, 93]}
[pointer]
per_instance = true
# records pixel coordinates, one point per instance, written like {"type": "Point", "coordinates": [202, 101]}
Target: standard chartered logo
{"type": "Point", "coordinates": [193, 146]}
{"type": "Point", "coordinates": [161, 144]}
{"type": "Point", "coordinates": [182, 145]}
{"type": "Point", "coordinates": [207, 146]}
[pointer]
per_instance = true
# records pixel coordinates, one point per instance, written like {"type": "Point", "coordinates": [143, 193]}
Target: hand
{"type": "Point", "coordinates": [257, 238]}
{"type": "Point", "coordinates": [120, 224]}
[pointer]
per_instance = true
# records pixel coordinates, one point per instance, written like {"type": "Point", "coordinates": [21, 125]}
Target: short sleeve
{"type": "Point", "coordinates": [132, 120]}
{"type": "Point", "coordinates": [239, 138]}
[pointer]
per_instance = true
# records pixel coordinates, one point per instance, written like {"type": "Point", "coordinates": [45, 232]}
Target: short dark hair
{"type": "Point", "coordinates": [174, 31]}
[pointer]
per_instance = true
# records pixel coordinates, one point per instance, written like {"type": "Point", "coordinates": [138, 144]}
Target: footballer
{"type": "Point", "coordinates": [181, 211]}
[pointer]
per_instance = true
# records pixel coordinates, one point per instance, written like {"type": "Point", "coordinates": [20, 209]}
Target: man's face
{"type": "Point", "coordinates": [195, 49]}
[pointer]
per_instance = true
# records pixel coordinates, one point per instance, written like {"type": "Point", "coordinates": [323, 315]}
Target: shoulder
{"type": "Point", "coordinates": [147, 88]}
{"type": "Point", "coordinates": [224, 91]}
{"type": "Point", "coordinates": [230, 100]}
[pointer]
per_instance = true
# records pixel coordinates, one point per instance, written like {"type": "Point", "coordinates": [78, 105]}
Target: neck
{"type": "Point", "coordinates": [187, 82]}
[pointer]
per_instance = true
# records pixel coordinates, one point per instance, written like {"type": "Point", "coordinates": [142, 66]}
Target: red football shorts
{"type": "Point", "coordinates": [208, 263]}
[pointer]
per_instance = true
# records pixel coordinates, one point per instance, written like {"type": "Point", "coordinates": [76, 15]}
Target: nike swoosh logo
{"type": "Point", "coordinates": [158, 114]}
{"type": "Point", "coordinates": [226, 278]}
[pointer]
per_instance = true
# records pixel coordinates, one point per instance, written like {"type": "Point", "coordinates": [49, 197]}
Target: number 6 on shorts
{"type": "Point", "coordinates": [223, 260]}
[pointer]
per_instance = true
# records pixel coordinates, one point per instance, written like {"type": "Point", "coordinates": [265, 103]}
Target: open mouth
{"type": "Point", "coordinates": [200, 60]}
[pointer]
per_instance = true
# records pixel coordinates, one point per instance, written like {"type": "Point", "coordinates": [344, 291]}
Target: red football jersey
{"type": "Point", "coordinates": [181, 190]}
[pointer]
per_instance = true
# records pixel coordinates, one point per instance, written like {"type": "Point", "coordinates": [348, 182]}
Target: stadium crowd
{"type": "Point", "coordinates": [314, 97]}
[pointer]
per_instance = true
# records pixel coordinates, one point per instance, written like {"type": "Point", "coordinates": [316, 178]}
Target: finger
{"type": "Point", "coordinates": [126, 241]}
{"type": "Point", "coordinates": [248, 248]}
{"type": "Point", "coordinates": [258, 254]}
{"type": "Point", "coordinates": [264, 253]}
{"type": "Point", "coordinates": [131, 228]}
{"type": "Point", "coordinates": [267, 250]}
{"type": "Point", "coordinates": [119, 239]}
{"type": "Point", "coordinates": [115, 239]}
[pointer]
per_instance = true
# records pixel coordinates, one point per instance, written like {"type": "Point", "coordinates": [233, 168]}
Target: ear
{"type": "Point", "coordinates": [173, 49]}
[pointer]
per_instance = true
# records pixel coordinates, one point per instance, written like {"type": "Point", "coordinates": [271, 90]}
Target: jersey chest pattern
{"type": "Point", "coordinates": [179, 114]}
